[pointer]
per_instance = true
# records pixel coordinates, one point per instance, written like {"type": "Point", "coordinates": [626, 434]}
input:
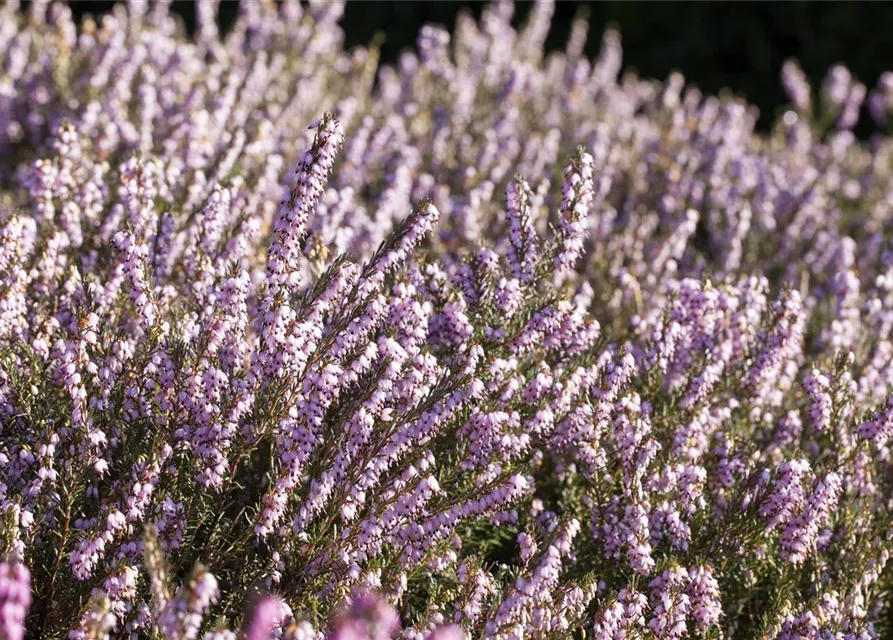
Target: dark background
{"type": "Point", "coordinates": [736, 45]}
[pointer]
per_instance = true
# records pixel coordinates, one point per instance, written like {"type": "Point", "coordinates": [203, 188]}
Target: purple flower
{"type": "Point", "coordinates": [405, 369]}
{"type": "Point", "coordinates": [269, 614]}
{"type": "Point", "coordinates": [449, 632]}
{"type": "Point", "coordinates": [367, 618]}
{"type": "Point", "coordinates": [15, 599]}
{"type": "Point", "coordinates": [576, 201]}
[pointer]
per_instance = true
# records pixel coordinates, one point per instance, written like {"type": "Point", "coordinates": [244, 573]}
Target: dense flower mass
{"type": "Point", "coordinates": [504, 345]}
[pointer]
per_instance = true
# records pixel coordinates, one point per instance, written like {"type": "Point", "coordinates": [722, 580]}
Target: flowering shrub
{"type": "Point", "coordinates": [520, 349]}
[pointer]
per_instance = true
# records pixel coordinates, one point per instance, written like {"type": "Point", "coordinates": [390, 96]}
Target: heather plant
{"type": "Point", "coordinates": [519, 348]}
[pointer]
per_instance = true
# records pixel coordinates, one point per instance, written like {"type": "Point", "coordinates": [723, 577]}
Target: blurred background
{"type": "Point", "coordinates": [739, 46]}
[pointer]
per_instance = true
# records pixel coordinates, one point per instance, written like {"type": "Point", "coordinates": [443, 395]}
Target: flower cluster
{"type": "Point", "coordinates": [15, 598]}
{"type": "Point", "coordinates": [504, 345]}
